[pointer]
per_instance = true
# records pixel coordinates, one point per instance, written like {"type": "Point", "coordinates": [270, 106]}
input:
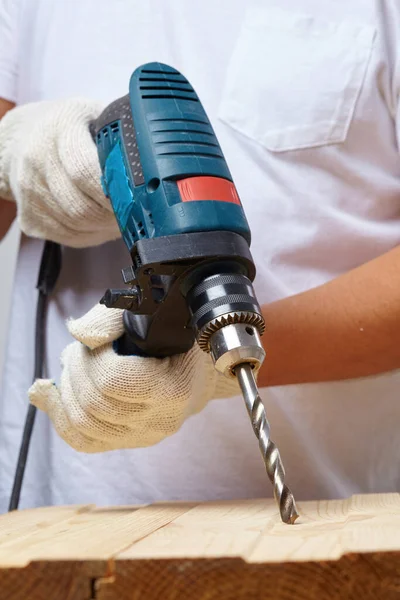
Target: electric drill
{"type": "Point", "coordinates": [181, 218]}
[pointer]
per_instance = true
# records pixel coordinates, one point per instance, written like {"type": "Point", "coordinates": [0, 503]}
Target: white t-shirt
{"type": "Point", "coordinates": [303, 96]}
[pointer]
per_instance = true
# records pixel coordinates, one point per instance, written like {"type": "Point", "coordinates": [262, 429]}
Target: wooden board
{"type": "Point", "coordinates": [213, 551]}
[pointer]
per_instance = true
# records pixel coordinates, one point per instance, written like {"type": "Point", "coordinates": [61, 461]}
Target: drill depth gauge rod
{"type": "Point", "coordinates": [183, 223]}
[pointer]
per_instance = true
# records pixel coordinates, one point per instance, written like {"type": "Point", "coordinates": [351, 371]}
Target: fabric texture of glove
{"type": "Point", "coordinates": [49, 167]}
{"type": "Point", "coordinates": [106, 401]}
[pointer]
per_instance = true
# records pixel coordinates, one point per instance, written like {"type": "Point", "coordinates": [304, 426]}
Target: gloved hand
{"type": "Point", "coordinates": [106, 401]}
{"type": "Point", "coordinates": [49, 167]}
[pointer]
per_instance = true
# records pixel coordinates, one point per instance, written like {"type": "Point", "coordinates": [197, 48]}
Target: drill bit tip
{"type": "Point", "coordinates": [269, 451]}
{"type": "Point", "coordinates": [288, 510]}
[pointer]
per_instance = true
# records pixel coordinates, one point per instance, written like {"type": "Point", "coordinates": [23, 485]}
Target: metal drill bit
{"type": "Point", "coordinates": [269, 451]}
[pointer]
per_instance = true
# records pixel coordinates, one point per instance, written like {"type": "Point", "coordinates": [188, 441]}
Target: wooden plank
{"type": "Point", "coordinates": [373, 576]}
{"type": "Point", "coordinates": [212, 529]}
{"type": "Point", "coordinates": [346, 549]}
{"type": "Point", "coordinates": [63, 580]}
{"type": "Point", "coordinates": [252, 530]}
{"type": "Point", "coordinates": [23, 523]}
{"type": "Point", "coordinates": [97, 534]}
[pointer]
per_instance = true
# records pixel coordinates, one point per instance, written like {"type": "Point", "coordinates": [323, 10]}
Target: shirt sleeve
{"type": "Point", "coordinates": [9, 48]}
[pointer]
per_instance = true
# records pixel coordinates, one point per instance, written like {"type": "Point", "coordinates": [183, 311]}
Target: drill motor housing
{"type": "Point", "coordinates": [181, 218]}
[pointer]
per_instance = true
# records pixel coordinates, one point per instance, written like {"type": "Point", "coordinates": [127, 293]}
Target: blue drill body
{"type": "Point", "coordinates": [179, 214]}
{"type": "Point", "coordinates": [157, 136]}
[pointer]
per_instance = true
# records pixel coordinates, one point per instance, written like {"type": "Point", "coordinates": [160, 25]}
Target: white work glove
{"type": "Point", "coordinates": [49, 167]}
{"type": "Point", "coordinates": [106, 401]}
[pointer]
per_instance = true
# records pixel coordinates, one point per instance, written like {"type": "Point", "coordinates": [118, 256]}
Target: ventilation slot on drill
{"type": "Point", "coordinates": [186, 142]}
{"type": "Point", "coordinates": [164, 83]}
{"type": "Point", "coordinates": [162, 79]}
{"type": "Point", "coordinates": [167, 87]}
{"type": "Point", "coordinates": [141, 230]}
{"type": "Point", "coordinates": [192, 153]}
{"type": "Point", "coordinates": [161, 72]}
{"type": "Point", "coordinates": [199, 131]}
{"type": "Point", "coordinates": [166, 96]}
{"type": "Point", "coordinates": [185, 120]}
{"type": "Point", "coordinates": [189, 142]}
{"type": "Point", "coordinates": [182, 147]}
{"type": "Point", "coordinates": [108, 130]}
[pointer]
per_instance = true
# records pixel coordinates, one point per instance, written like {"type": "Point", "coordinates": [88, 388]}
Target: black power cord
{"type": "Point", "coordinates": [49, 271]}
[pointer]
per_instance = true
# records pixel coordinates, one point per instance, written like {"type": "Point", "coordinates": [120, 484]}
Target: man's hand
{"type": "Point", "coordinates": [49, 167]}
{"type": "Point", "coordinates": [106, 401]}
{"type": "Point", "coordinates": [344, 329]}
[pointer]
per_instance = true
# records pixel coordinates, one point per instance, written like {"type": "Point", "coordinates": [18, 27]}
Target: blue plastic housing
{"type": "Point", "coordinates": [167, 137]}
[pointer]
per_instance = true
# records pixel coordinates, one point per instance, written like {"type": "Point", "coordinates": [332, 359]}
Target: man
{"type": "Point", "coordinates": [304, 101]}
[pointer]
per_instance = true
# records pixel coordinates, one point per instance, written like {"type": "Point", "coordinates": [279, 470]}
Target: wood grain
{"type": "Point", "coordinates": [97, 534]}
{"type": "Point", "coordinates": [348, 549]}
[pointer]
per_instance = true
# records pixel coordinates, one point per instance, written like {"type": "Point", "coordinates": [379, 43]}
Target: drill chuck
{"type": "Point", "coordinates": [234, 345]}
{"type": "Point", "coordinates": [227, 321]}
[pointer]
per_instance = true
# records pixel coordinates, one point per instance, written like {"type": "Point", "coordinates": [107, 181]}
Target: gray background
{"type": "Point", "coordinates": [8, 253]}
